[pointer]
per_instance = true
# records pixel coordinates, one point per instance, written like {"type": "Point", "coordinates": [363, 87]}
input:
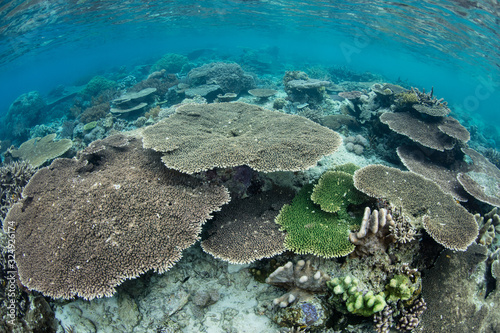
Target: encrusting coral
{"type": "Point", "coordinates": [85, 225]}
{"type": "Point", "coordinates": [201, 137]}
{"type": "Point", "coordinates": [302, 280]}
{"type": "Point", "coordinates": [443, 218]}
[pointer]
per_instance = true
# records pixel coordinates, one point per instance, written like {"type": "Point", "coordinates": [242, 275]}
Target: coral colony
{"type": "Point", "coordinates": [319, 202]}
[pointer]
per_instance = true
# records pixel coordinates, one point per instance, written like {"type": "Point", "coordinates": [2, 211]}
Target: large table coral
{"type": "Point", "coordinates": [85, 225]}
{"type": "Point", "coordinates": [202, 137]}
{"type": "Point", "coordinates": [422, 201]}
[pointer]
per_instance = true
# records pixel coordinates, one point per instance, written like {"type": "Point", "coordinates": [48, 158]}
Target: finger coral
{"type": "Point", "coordinates": [85, 225]}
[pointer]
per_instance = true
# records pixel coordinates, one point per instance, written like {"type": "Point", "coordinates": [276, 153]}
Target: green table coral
{"type": "Point", "coordinates": [312, 230]}
{"type": "Point", "coordinates": [335, 191]}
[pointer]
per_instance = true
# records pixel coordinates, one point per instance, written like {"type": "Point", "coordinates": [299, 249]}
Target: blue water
{"type": "Point", "coordinates": [453, 46]}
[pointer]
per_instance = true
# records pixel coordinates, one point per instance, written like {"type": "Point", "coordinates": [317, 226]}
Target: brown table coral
{"type": "Point", "coordinates": [85, 225]}
{"type": "Point", "coordinates": [202, 137]}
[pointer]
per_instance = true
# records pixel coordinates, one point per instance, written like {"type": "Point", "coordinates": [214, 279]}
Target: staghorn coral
{"type": "Point", "coordinates": [441, 216]}
{"type": "Point", "coordinates": [201, 137]}
{"type": "Point", "coordinates": [37, 151]}
{"type": "Point", "coordinates": [429, 104]}
{"type": "Point", "coordinates": [312, 230]}
{"type": "Point", "coordinates": [401, 229]}
{"type": "Point", "coordinates": [244, 231]}
{"type": "Point", "coordinates": [302, 281]}
{"type": "Point", "coordinates": [13, 178]}
{"type": "Point", "coordinates": [85, 225]}
{"type": "Point", "coordinates": [374, 233]}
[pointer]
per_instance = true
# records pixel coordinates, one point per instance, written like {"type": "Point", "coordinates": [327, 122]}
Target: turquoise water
{"type": "Point", "coordinates": [451, 45]}
{"type": "Point", "coordinates": [451, 48]}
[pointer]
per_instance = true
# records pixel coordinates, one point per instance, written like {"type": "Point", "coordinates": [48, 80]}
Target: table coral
{"type": "Point", "coordinates": [443, 218]}
{"type": "Point", "coordinates": [312, 230]}
{"type": "Point", "coordinates": [201, 137]}
{"type": "Point", "coordinates": [85, 225]}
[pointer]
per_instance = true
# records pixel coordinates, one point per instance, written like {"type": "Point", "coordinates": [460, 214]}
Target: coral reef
{"type": "Point", "coordinates": [442, 217]}
{"type": "Point", "coordinates": [23, 113]}
{"type": "Point", "coordinates": [95, 112]}
{"type": "Point", "coordinates": [97, 85]}
{"type": "Point", "coordinates": [132, 101]}
{"type": "Point", "coordinates": [301, 89]}
{"type": "Point", "coordinates": [262, 94]}
{"type": "Point", "coordinates": [118, 213]}
{"type": "Point", "coordinates": [170, 63]}
{"type": "Point", "coordinates": [483, 179]}
{"type": "Point", "coordinates": [336, 121]}
{"type": "Point", "coordinates": [13, 178]}
{"type": "Point", "coordinates": [38, 151]}
{"type": "Point", "coordinates": [312, 230]}
{"type": "Point", "coordinates": [201, 137]}
{"type": "Point", "coordinates": [455, 293]}
{"type": "Point", "coordinates": [244, 230]}
{"type": "Point", "coordinates": [230, 77]}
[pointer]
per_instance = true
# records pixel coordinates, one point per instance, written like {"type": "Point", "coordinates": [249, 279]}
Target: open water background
{"type": "Point", "coordinates": [453, 46]}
